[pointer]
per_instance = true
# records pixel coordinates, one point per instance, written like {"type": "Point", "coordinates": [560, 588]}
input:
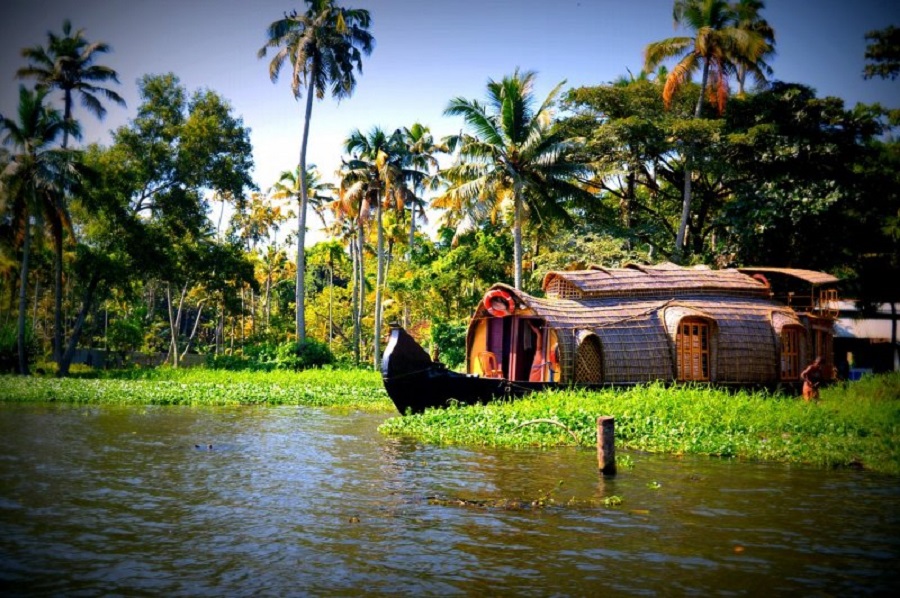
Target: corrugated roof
{"type": "Point", "coordinates": [813, 277]}
{"type": "Point", "coordinates": [663, 279]}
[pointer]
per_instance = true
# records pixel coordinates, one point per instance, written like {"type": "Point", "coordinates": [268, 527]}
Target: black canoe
{"type": "Point", "coordinates": [415, 382]}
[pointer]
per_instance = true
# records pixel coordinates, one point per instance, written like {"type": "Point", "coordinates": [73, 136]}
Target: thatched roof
{"type": "Point", "coordinates": [813, 277]}
{"type": "Point", "coordinates": [664, 280]}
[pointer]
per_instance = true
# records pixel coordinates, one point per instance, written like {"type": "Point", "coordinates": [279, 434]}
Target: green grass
{"type": "Point", "coordinates": [855, 424]}
{"type": "Point", "coordinates": [348, 389]}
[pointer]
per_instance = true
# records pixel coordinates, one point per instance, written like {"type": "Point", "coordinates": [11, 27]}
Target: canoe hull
{"type": "Point", "coordinates": [415, 382]}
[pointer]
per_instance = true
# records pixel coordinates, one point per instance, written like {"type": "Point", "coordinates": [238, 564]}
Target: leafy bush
{"type": "Point", "coordinates": [267, 356]}
{"type": "Point", "coordinates": [9, 348]}
{"type": "Point", "coordinates": [450, 340]}
{"type": "Point", "coordinates": [301, 356]}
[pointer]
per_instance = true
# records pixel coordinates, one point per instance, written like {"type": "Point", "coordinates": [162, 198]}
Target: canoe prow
{"type": "Point", "coordinates": [415, 382]}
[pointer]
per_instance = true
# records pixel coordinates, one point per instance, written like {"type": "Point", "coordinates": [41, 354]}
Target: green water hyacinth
{"type": "Point", "coordinates": [348, 389]}
{"type": "Point", "coordinates": [854, 425]}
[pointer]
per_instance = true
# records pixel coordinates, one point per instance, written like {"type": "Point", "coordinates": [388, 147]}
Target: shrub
{"type": "Point", "coordinates": [268, 356]}
{"type": "Point", "coordinates": [9, 348]}
{"type": "Point", "coordinates": [450, 340]}
{"type": "Point", "coordinates": [300, 356]}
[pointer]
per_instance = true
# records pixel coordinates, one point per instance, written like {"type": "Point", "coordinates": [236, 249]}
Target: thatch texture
{"type": "Point", "coordinates": [665, 279]}
{"type": "Point", "coordinates": [621, 326]}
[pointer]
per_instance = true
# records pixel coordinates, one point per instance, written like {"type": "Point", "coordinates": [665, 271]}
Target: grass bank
{"type": "Point", "coordinates": [347, 389]}
{"type": "Point", "coordinates": [853, 425]}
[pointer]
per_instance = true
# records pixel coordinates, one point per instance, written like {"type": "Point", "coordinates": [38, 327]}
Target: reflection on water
{"type": "Point", "coordinates": [294, 501]}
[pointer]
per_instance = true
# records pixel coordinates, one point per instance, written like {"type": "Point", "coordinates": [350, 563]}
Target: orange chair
{"type": "Point", "coordinates": [489, 365]}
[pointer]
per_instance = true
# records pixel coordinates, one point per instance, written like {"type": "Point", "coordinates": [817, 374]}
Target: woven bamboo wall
{"type": "Point", "coordinates": [638, 336]}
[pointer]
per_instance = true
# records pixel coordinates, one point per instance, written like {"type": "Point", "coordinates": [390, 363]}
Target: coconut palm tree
{"type": "Point", "coordinates": [376, 176]}
{"type": "Point", "coordinates": [421, 160]}
{"type": "Point", "coordinates": [351, 209]}
{"type": "Point", "coordinates": [324, 47]}
{"type": "Point", "coordinates": [31, 179]}
{"type": "Point", "coordinates": [511, 154]}
{"type": "Point", "coordinates": [747, 18]}
{"type": "Point", "coordinates": [715, 48]}
{"type": "Point", "coordinates": [68, 64]}
{"type": "Point", "coordinates": [318, 192]}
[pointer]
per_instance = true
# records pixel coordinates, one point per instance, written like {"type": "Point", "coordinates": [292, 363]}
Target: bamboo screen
{"type": "Point", "coordinates": [589, 360]}
{"type": "Point", "coordinates": [560, 288]}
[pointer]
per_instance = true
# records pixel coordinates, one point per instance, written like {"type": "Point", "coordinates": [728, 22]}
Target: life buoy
{"type": "Point", "coordinates": [499, 303]}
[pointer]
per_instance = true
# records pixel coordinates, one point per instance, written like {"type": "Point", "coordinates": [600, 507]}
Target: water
{"type": "Point", "coordinates": [294, 502]}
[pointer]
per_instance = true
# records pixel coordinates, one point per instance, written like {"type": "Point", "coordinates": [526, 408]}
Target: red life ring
{"type": "Point", "coordinates": [499, 303]}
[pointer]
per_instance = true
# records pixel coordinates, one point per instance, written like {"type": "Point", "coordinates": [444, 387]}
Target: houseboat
{"type": "Point", "coordinates": [747, 327]}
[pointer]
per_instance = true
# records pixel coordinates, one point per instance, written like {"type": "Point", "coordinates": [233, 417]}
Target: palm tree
{"type": "Point", "coordinates": [714, 50]}
{"type": "Point", "coordinates": [67, 64]}
{"type": "Point", "coordinates": [351, 209]}
{"type": "Point", "coordinates": [32, 180]}
{"type": "Point", "coordinates": [746, 17]}
{"type": "Point", "coordinates": [318, 192]}
{"type": "Point", "coordinates": [512, 154]}
{"type": "Point", "coordinates": [421, 159]}
{"type": "Point", "coordinates": [376, 176]}
{"type": "Point", "coordinates": [324, 47]}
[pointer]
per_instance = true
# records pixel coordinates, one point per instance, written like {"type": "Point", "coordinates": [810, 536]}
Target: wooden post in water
{"type": "Point", "coordinates": [606, 444]}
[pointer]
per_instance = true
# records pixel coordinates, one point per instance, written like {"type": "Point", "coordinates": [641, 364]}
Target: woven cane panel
{"type": "Point", "coordinates": [560, 288]}
{"type": "Point", "coordinates": [589, 361]}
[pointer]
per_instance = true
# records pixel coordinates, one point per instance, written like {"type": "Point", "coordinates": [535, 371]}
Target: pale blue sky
{"type": "Point", "coordinates": [427, 51]}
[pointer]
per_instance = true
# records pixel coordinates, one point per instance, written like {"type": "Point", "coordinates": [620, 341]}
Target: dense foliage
{"type": "Point", "coordinates": [126, 247]}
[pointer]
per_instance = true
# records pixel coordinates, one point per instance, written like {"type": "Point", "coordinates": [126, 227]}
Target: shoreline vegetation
{"type": "Point", "coordinates": [855, 424]}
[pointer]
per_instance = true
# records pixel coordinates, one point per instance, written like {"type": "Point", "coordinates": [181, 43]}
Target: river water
{"type": "Point", "coordinates": [183, 501]}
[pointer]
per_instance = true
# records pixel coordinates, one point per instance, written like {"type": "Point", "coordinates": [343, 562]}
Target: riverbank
{"type": "Point", "coordinates": [853, 425]}
{"type": "Point", "coordinates": [346, 389]}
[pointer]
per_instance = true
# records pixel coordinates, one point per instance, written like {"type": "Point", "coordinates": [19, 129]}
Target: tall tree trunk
{"type": "Point", "coordinates": [301, 221]}
{"type": "Point", "coordinates": [87, 301]}
{"type": "Point", "coordinates": [379, 281]}
{"type": "Point", "coordinates": [517, 237]}
{"type": "Point", "coordinates": [57, 291]}
{"type": "Point", "coordinates": [412, 229]}
{"type": "Point", "coordinates": [688, 159]}
{"type": "Point", "coordinates": [23, 297]}
{"type": "Point", "coordinates": [354, 301]}
{"type": "Point", "coordinates": [625, 206]}
{"type": "Point", "coordinates": [35, 304]}
{"type": "Point", "coordinates": [58, 246]}
{"type": "Point", "coordinates": [193, 335]}
{"type": "Point", "coordinates": [330, 301]}
{"type": "Point", "coordinates": [361, 303]}
{"type": "Point", "coordinates": [175, 322]}
{"type": "Point", "coordinates": [268, 307]}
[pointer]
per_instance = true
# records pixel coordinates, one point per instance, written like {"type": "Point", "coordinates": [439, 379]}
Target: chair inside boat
{"type": "Point", "coordinates": [489, 365]}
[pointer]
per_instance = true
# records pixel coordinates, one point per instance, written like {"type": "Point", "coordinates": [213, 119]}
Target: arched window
{"type": "Point", "coordinates": [692, 346]}
{"type": "Point", "coordinates": [589, 360]}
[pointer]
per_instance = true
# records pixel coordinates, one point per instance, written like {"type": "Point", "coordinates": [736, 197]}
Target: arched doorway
{"type": "Point", "coordinates": [588, 359]}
